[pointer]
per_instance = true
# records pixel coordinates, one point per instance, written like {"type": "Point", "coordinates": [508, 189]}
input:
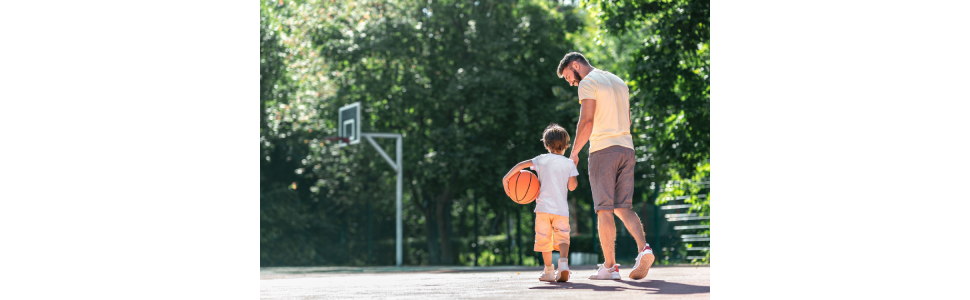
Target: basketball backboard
{"type": "Point", "coordinates": [349, 123]}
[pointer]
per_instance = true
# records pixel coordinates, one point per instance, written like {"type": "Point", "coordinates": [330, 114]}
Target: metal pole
{"type": "Point", "coordinates": [399, 167]}
{"type": "Point", "coordinates": [400, 206]}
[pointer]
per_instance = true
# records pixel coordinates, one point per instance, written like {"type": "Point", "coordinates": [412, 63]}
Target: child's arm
{"type": "Point", "coordinates": [518, 167]}
{"type": "Point", "coordinates": [572, 183]}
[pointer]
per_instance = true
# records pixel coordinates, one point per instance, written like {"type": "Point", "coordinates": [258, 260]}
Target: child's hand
{"type": "Point", "coordinates": [518, 167]}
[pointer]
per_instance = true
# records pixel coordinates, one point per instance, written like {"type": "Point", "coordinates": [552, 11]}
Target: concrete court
{"type": "Point", "coordinates": [663, 282]}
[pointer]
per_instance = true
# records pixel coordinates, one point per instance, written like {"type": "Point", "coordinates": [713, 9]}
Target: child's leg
{"type": "Point", "coordinates": [562, 238]}
{"type": "Point", "coordinates": [564, 250]}
{"type": "Point", "coordinates": [544, 244]}
{"type": "Point", "coordinates": [561, 230]}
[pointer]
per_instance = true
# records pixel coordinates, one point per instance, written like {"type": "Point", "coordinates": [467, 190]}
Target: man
{"type": "Point", "coordinates": [605, 101]}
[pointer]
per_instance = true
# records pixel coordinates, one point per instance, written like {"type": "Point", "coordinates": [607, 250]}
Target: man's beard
{"type": "Point", "coordinates": [576, 75]}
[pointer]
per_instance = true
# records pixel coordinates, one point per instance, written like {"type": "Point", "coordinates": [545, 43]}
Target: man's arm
{"type": "Point", "coordinates": [584, 128]}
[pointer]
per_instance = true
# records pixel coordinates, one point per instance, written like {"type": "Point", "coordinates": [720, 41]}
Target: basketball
{"type": "Point", "coordinates": [523, 187]}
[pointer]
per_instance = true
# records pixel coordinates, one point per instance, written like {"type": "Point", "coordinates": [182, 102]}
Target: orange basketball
{"type": "Point", "coordinates": [523, 187]}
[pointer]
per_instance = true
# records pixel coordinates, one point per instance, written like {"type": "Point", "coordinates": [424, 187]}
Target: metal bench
{"type": "Point", "coordinates": [686, 217]}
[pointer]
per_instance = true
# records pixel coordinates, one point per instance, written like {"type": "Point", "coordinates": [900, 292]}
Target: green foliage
{"type": "Point", "coordinates": [309, 192]}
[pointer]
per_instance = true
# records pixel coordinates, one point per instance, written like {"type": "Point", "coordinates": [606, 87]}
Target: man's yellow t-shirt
{"type": "Point", "coordinates": [611, 120]}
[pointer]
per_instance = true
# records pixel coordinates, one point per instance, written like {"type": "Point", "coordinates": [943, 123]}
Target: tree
{"type": "Point", "coordinates": [469, 84]}
{"type": "Point", "coordinates": [308, 192]}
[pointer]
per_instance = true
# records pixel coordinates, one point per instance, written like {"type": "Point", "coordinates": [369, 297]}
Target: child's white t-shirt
{"type": "Point", "coordinates": [554, 171]}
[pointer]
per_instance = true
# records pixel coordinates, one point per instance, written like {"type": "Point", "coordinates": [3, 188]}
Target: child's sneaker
{"type": "Point", "coordinates": [644, 261]}
{"type": "Point", "coordinates": [562, 275]}
{"type": "Point", "coordinates": [549, 274]}
{"type": "Point", "coordinates": [603, 273]}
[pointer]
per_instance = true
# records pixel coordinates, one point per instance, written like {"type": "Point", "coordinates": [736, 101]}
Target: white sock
{"type": "Point", "coordinates": [564, 260]}
{"type": "Point", "coordinates": [549, 269]}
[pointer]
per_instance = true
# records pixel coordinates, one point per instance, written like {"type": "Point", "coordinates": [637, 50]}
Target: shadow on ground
{"type": "Point", "coordinates": [649, 286]}
{"type": "Point", "coordinates": [412, 269]}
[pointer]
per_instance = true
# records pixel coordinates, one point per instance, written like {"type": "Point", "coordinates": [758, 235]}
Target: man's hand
{"type": "Point", "coordinates": [575, 158]}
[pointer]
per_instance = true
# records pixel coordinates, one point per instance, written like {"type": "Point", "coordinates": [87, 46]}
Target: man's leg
{"type": "Point", "coordinates": [645, 256]}
{"type": "Point", "coordinates": [623, 195]}
{"type": "Point", "coordinates": [607, 232]}
{"type": "Point", "coordinates": [632, 222]}
{"type": "Point", "coordinates": [602, 180]}
{"type": "Point", "coordinates": [623, 203]}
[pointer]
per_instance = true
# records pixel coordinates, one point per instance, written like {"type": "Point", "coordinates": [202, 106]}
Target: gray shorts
{"type": "Point", "coordinates": [611, 177]}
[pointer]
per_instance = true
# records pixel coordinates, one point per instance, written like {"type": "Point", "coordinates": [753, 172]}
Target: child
{"type": "Point", "coordinates": [556, 174]}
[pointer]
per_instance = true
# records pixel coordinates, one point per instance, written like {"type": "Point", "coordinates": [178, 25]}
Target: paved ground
{"type": "Point", "coordinates": [682, 282]}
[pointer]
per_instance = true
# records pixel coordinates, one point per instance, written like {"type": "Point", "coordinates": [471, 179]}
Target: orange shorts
{"type": "Point", "coordinates": [551, 230]}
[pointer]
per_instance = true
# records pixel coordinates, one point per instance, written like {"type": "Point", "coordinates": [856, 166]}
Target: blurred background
{"type": "Point", "coordinates": [471, 85]}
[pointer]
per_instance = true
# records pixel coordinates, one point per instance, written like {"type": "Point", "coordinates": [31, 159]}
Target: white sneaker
{"type": "Point", "coordinates": [603, 273]}
{"type": "Point", "coordinates": [562, 275]}
{"type": "Point", "coordinates": [548, 275]}
{"type": "Point", "coordinates": [644, 261]}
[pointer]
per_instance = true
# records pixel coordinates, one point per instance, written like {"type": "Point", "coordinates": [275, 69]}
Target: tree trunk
{"type": "Point", "coordinates": [432, 230]}
{"type": "Point", "coordinates": [428, 206]}
{"type": "Point", "coordinates": [441, 212]}
{"type": "Point", "coordinates": [462, 230]}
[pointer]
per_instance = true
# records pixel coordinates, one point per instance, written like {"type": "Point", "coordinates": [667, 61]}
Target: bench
{"type": "Point", "coordinates": [688, 217]}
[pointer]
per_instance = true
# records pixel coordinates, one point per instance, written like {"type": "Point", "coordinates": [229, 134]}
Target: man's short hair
{"type": "Point", "coordinates": [568, 59]}
{"type": "Point", "coordinates": [555, 138]}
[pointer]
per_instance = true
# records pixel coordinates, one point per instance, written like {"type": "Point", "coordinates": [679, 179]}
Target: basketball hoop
{"type": "Point", "coordinates": [348, 133]}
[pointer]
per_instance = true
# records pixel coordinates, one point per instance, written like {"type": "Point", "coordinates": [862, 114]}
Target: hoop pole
{"type": "Point", "coordinates": [399, 167]}
{"type": "Point", "coordinates": [400, 206]}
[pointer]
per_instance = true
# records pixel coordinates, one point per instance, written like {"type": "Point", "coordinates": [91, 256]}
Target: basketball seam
{"type": "Point", "coordinates": [530, 187]}
{"type": "Point", "coordinates": [517, 186]}
{"type": "Point", "coordinates": [539, 184]}
{"type": "Point", "coordinates": [507, 191]}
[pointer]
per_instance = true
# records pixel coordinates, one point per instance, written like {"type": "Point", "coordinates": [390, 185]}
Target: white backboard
{"type": "Point", "coordinates": [349, 123]}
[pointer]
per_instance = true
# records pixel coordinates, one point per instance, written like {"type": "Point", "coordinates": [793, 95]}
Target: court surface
{"type": "Point", "coordinates": [676, 282]}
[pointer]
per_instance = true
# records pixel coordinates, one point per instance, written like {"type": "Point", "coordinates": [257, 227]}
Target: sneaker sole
{"type": "Point", "coordinates": [563, 276]}
{"type": "Point", "coordinates": [643, 268]}
{"type": "Point", "coordinates": [617, 277]}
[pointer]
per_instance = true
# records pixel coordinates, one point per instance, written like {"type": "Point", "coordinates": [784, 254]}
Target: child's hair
{"type": "Point", "coordinates": [555, 138]}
